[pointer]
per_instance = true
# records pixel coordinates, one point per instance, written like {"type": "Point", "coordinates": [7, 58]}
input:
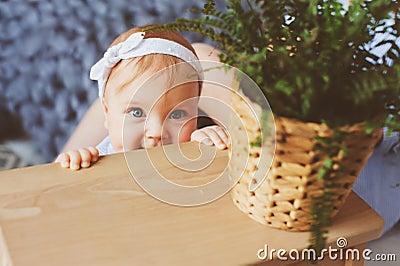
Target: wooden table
{"type": "Point", "coordinates": [100, 216]}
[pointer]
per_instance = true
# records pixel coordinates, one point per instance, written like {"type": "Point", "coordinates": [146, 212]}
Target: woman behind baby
{"type": "Point", "coordinates": [149, 84]}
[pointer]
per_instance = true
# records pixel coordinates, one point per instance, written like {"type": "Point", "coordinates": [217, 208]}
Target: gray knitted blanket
{"type": "Point", "coordinates": [47, 49]}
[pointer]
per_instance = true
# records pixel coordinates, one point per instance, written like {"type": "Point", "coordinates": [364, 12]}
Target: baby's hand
{"type": "Point", "coordinates": [77, 159]}
{"type": "Point", "coordinates": [211, 135]}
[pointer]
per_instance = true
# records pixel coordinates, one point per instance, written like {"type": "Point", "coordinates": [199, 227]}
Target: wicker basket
{"type": "Point", "coordinates": [283, 200]}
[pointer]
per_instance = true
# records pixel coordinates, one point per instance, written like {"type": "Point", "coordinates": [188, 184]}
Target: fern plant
{"type": "Point", "coordinates": [315, 61]}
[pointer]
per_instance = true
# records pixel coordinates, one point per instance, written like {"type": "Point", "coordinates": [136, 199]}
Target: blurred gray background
{"type": "Point", "coordinates": [46, 51]}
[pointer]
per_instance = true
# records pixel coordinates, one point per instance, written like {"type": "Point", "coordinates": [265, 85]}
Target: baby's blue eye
{"type": "Point", "coordinates": [136, 112]}
{"type": "Point", "coordinates": [177, 114]}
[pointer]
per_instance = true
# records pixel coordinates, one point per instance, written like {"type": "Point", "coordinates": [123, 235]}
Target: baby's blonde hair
{"type": "Point", "coordinates": [151, 63]}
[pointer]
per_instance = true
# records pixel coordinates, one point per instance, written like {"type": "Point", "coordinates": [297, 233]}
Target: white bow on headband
{"type": "Point", "coordinates": [136, 46]}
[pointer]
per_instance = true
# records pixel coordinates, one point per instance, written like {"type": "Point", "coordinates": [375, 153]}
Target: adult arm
{"type": "Point", "coordinates": [90, 130]}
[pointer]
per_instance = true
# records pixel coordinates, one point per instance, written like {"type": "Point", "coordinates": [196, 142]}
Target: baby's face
{"type": "Point", "coordinates": [151, 116]}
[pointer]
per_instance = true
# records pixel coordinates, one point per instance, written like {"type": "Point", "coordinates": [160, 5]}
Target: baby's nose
{"type": "Point", "coordinates": [154, 129]}
{"type": "Point", "coordinates": [155, 132]}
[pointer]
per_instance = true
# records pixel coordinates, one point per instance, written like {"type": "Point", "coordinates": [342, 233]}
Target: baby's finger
{"type": "Point", "coordinates": [75, 160]}
{"type": "Point", "coordinates": [94, 152]}
{"type": "Point", "coordinates": [202, 137]}
{"type": "Point", "coordinates": [86, 157]}
{"type": "Point", "coordinates": [223, 135]}
{"type": "Point", "coordinates": [212, 133]}
{"type": "Point", "coordinates": [63, 159]}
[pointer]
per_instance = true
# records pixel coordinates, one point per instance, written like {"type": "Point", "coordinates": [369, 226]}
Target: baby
{"type": "Point", "coordinates": [149, 84]}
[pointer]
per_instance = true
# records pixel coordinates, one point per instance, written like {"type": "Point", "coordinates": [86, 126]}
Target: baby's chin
{"type": "Point", "coordinates": [126, 149]}
{"type": "Point", "coordinates": [132, 149]}
{"type": "Point", "coordinates": [143, 146]}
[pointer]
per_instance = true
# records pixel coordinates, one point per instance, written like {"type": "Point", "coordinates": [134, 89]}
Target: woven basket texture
{"type": "Point", "coordinates": [284, 198]}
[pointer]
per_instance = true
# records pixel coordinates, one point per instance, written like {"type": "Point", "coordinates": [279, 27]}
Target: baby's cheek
{"type": "Point", "coordinates": [132, 138]}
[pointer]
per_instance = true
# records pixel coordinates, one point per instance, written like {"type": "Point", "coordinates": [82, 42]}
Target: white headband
{"type": "Point", "coordinates": [136, 46]}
